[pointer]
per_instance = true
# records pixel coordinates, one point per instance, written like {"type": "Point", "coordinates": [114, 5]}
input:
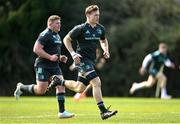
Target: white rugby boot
{"type": "Point", "coordinates": [65, 114]}
{"type": "Point", "coordinates": [18, 92]}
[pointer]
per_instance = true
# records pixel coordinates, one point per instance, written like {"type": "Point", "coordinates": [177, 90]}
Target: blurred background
{"type": "Point", "coordinates": [134, 29]}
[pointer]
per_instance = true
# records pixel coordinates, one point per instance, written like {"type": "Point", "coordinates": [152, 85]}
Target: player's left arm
{"type": "Point", "coordinates": [105, 46]}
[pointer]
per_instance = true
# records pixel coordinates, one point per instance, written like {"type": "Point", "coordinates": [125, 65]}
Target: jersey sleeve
{"type": "Point", "coordinates": [75, 32]}
{"type": "Point", "coordinates": [103, 34]}
{"type": "Point", "coordinates": [42, 39]}
{"type": "Point", "coordinates": [147, 60]}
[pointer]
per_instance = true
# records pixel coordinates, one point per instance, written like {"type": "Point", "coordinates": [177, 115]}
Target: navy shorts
{"type": "Point", "coordinates": [86, 65]}
{"type": "Point", "coordinates": [153, 72]}
{"type": "Point", "coordinates": [43, 74]}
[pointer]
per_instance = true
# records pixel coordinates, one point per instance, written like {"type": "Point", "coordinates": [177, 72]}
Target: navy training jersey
{"type": "Point", "coordinates": [158, 59]}
{"type": "Point", "coordinates": [52, 45]}
{"type": "Point", "coordinates": [87, 39]}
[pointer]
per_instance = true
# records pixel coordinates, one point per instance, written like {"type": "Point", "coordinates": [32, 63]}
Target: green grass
{"type": "Point", "coordinates": [43, 110]}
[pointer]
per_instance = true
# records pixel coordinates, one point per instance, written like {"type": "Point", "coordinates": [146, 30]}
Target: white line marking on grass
{"type": "Point", "coordinates": [27, 117]}
{"type": "Point", "coordinates": [134, 113]}
{"type": "Point", "coordinates": [42, 116]}
{"type": "Point", "coordinates": [88, 115]}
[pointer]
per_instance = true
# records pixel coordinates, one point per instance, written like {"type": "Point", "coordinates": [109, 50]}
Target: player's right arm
{"type": "Point", "coordinates": [38, 49]}
{"type": "Point", "coordinates": [145, 63]}
{"type": "Point", "coordinates": [73, 35]}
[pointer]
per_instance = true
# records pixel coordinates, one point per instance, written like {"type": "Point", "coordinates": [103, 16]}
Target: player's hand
{"type": "Point", "coordinates": [53, 58]}
{"type": "Point", "coordinates": [77, 58]}
{"type": "Point", "coordinates": [63, 58]}
{"type": "Point", "coordinates": [142, 71]}
{"type": "Point", "coordinates": [106, 55]}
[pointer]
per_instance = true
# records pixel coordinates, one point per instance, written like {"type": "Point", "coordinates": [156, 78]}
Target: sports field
{"type": "Point", "coordinates": [43, 110]}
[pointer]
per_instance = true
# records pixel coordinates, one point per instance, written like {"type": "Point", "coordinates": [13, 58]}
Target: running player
{"type": "Point", "coordinates": [48, 49]}
{"type": "Point", "coordinates": [99, 63]}
{"type": "Point", "coordinates": [87, 35]}
{"type": "Point", "coordinates": [156, 60]}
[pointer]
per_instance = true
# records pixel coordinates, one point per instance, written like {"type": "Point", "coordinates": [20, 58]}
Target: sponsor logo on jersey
{"type": "Point", "coordinates": [57, 39]}
{"type": "Point", "coordinates": [92, 38]}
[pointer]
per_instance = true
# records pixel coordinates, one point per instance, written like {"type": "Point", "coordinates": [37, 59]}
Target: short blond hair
{"type": "Point", "coordinates": [52, 18]}
{"type": "Point", "coordinates": [91, 8]}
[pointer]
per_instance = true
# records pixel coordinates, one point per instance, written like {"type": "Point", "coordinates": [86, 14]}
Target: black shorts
{"type": "Point", "coordinates": [43, 74]}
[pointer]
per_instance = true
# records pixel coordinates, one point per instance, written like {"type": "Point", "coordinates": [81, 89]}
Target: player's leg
{"type": "Point", "coordinates": [145, 84]}
{"type": "Point", "coordinates": [78, 86]}
{"type": "Point", "coordinates": [163, 80]}
{"type": "Point", "coordinates": [39, 88]}
{"type": "Point", "coordinates": [97, 94]}
{"type": "Point", "coordinates": [60, 94]}
{"type": "Point", "coordinates": [75, 86]}
{"type": "Point", "coordinates": [79, 96]}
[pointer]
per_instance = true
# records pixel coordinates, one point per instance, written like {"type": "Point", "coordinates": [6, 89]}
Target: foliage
{"type": "Point", "coordinates": [134, 28]}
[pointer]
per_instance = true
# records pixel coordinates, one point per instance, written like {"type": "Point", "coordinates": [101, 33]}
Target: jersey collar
{"type": "Point", "coordinates": [90, 25]}
{"type": "Point", "coordinates": [52, 31]}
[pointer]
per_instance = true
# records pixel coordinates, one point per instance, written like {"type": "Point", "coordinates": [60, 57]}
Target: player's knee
{"type": "Point", "coordinates": [149, 84]}
{"type": "Point", "coordinates": [60, 89]}
{"type": "Point", "coordinates": [80, 90]}
{"type": "Point", "coordinates": [80, 87]}
{"type": "Point", "coordinates": [96, 82]}
{"type": "Point", "coordinates": [40, 90]}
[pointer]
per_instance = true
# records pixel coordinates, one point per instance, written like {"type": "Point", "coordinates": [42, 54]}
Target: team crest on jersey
{"type": "Point", "coordinates": [99, 31]}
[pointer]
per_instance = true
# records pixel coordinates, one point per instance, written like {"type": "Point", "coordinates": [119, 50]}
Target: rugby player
{"type": "Point", "coordinates": [87, 35]}
{"type": "Point", "coordinates": [48, 49]}
{"type": "Point", "coordinates": [156, 60]}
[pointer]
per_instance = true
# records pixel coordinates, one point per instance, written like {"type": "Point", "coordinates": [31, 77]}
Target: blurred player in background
{"type": "Point", "coordinates": [156, 60]}
{"type": "Point", "coordinates": [48, 49]}
{"type": "Point", "coordinates": [87, 35]}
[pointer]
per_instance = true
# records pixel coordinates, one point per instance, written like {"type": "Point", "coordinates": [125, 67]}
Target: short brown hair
{"type": "Point", "coordinates": [162, 45]}
{"type": "Point", "coordinates": [52, 18]}
{"type": "Point", "coordinates": [91, 8]}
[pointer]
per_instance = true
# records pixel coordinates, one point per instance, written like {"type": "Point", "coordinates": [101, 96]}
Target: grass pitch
{"type": "Point", "coordinates": [43, 110]}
